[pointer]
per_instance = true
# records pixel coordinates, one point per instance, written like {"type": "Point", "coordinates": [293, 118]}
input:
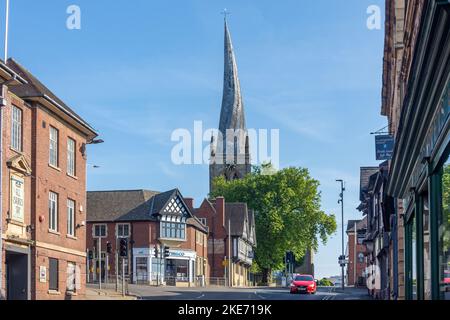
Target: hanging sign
{"type": "Point", "coordinates": [384, 147]}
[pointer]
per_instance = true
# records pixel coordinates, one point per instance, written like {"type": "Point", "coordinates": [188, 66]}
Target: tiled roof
{"type": "Point", "coordinates": [131, 205]}
{"type": "Point", "coordinates": [360, 224]}
{"type": "Point", "coordinates": [241, 220]}
{"type": "Point", "coordinates": [365, 174]}
{"type": "Point", "coordinates": [114, 205]}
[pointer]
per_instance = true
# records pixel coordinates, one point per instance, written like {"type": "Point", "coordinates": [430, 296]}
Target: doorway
{"type": "Point", "coordinates": [16, 276]}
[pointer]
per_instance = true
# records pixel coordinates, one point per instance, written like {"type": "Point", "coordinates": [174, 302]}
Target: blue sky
{"type": "Point", "coordinates": [139, 69]}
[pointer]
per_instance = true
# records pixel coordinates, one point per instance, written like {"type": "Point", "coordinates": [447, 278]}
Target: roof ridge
{"type": "Point", "coordinates": [124, 190]}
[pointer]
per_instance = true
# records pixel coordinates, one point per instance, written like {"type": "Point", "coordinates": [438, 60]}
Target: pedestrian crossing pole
{"type": "Point", "coordinates": [99, 256]}
{"type": "Point", "coordinates": [341, 201]}
{"type": "Point", "coordinates": [230, 277]}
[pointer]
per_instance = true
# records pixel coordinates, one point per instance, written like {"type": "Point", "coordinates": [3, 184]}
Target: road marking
{"type": "Point", "coordinates": [256, 294]}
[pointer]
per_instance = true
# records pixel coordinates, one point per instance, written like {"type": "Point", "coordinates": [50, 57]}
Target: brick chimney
{"type": "Point", "coordinates": [190, 203]}
{"type": "Point", "coordinates": [220, 209]}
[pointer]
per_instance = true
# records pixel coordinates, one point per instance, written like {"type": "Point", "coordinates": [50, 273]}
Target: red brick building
{"type": "Point", "coordinates": [356, 233]}
{"type": "Point", "coordinates": [43, 186]}
{"type": "Point", "coordinates": [149, 220]}
{"type": "Point", "coordinates": [218, 216]}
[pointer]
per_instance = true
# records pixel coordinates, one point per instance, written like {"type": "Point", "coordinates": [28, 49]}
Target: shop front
{"type": "Point", "coordinates": [142, 265]}
{"type": "Point", "coordinates": [420, 173]}
{"type": "Point", "coordinates": [179, 268]}
{"type": "Point", "coordinates": [427, 219]}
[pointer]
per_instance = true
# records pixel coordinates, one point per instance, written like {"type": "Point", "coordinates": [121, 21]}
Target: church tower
{"type": "Point", "coordinates": [230, 150]}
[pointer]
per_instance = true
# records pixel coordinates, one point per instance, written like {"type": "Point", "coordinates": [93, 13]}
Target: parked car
{"type": "Point", "coordinates": [303, 283]}
{"type": "Point", "coordinates": [447, 280]}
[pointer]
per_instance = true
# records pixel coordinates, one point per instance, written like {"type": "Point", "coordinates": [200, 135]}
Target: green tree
{"type": "Point", "coordinates": [325, 283]}
{"type": "Point", "coordinates": [287, 212]}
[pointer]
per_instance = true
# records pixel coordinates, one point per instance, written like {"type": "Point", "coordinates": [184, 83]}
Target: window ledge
{"type": "Point", "coordinates": [54, 292]}
{"type": "Point", "coordinates": [71, 176]}
{"type": "Point", "coordinates": [16, 222]}
{"type": "Point", "coordinates": [172, 239]}
{"type": "Point", "coordinates": [54, 232]}
{"type": "Point", "coordinates": [15, 150]}
{"type": "Point", "coordinates": [71, 237]}
{"type": "Point", "coordinates": [53, 167]}
{"type": "Point", "coordinates": [71, 293]}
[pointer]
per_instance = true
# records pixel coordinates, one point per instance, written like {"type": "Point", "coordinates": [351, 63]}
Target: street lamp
{"type": "Point", "coordinates": [341, 201]}
{"type": "Point", "coordinates": [96, 141]}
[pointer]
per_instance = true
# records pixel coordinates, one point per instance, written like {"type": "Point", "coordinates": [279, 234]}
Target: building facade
{"type": "Point", "coordinates": [377, 207]}
{"type": "Point", "coordinates": [357, 266]}
{"type": "Point", "coordinates": [43, 170]}
{"type": "Point", "coordinates": [166, 243]}
{"type": "Point", "coordinates": [416, 91]}
{"type": "Point", "coordinates": [231, 234]}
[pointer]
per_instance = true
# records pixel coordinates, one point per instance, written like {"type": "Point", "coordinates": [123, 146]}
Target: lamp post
{"type": "Point", "coordinates": [341, 201]}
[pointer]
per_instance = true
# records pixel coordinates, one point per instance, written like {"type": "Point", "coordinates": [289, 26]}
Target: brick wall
{"type": "Point", "coordinates": [360, 267]}
{"type": "Point", "coordinates": [39, 181]}
{"type": "Point", "coordinates": [56, 179]}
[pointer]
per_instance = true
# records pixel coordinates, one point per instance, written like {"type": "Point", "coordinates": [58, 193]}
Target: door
{"type": "Point", "coordinates": [16, 276]}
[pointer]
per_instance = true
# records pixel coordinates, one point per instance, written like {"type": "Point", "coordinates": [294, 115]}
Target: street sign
{"type": "Point", "coordinates": [384, 147]}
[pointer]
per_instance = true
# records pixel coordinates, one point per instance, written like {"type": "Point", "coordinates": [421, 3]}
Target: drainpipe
{"type": "Point", "coordinates": [3, 104]}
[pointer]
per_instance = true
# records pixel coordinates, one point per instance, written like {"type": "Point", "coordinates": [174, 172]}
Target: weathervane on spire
{"type": "Point", "coordinates": [225, 13]}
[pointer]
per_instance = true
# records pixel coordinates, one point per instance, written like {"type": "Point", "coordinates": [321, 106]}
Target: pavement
{"type": "Point", "coordinates": [261, 293]}
{"type": "Point", "coordinates": [107, 292]}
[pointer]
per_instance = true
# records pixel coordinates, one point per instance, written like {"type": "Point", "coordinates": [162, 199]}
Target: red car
{"type": "Point", "coordinates": [303, 284]}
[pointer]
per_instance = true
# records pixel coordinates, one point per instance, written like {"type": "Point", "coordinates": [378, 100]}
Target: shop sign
{"type": "Point", "coordinates": [17, 198]}
{"type": "Point", "coordinates": [182, 254]}
{"type": "Point", "coordinates": [384, 147]}
{"type": "Point", "coordinates": [42, 274]}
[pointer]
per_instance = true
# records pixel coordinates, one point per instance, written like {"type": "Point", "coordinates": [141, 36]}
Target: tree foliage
{"type": "Point", "coordinates": [325, 283]}
{"type": "Point", "coordinates": [287, 211]}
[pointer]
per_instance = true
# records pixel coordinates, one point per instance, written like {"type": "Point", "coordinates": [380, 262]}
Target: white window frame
{"type": "Point", "coordinates": [121, 225]}
{"type": "Point", "coordinates": [53, 146]}
{"type": "Point", "coordinates": [172, 230]}
{"type": "Point", "coordinates": [71, 161]}
{"type": "Point", "coordinates": [71, 217]}
{"type": "Point", "coordinates": [53, 211]}
{"type": "Point", "coordinates": [94, 227]}
{"type": "Point", "coordinates": [16, 128]}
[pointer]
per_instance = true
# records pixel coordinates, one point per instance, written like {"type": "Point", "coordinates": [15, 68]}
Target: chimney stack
{"type": "Point", "coordinates": [190, 203]}
{"type": "Point", "coordinates": [220, 209]}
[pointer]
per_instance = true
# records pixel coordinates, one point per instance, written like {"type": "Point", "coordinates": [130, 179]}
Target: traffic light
{"type": "Point", "coordinates": [289, 257]}
{"type": "Point", "coordinates": [90, 254]}
{"type": "Point", "coordinates": [166, 252]}
{"type": "Point", "coordinates": [123, 250]}
{"type": "Point", "coordinates": [108, 247]}
{"type": "Point", "coordinates": [155, 252]}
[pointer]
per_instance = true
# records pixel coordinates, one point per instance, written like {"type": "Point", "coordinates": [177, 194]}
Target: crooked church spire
{"type": "Point", "coordinates": [232, 112]}
{"type": "Point", "coordinates": [230, 154]}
